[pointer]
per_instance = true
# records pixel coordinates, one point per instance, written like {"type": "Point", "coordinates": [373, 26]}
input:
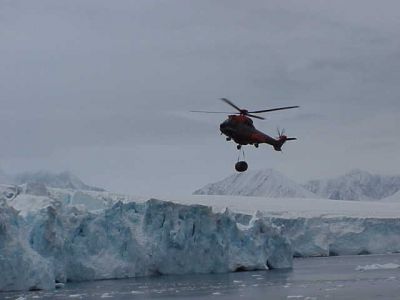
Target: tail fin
{"type": "Point", "coordinates": [281, 140]}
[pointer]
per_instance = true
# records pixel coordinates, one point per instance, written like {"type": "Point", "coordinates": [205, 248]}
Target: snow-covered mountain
{"type": "Point", "coordinates": [355, 185]}
{"type": "Point", "coordinates": [267, 183]}
{"type": "Point", "coordinates": [393, 198]}
{"type": "Point", "coordinates": [64, 180]}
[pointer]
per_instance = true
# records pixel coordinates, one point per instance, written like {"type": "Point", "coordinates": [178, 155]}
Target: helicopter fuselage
{"type": "Point", "coordinates": [240, 128]}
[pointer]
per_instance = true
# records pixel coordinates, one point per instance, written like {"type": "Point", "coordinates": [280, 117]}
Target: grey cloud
{"type": "Point", "coordinates": [85, 83]}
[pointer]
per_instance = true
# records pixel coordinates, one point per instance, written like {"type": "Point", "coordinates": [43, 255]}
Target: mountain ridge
{"type": "Point", "coordinates": [64, 180]}
{"type": "Point", "coordinates": [356, 185]}
{"type": "Point", "coordinates": [267, 182]}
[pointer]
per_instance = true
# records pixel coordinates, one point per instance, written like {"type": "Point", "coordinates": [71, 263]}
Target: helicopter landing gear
{"type": "Point", "coordinates": [241, 165]}
{"type": "Point", "coordinates": [256, 145]}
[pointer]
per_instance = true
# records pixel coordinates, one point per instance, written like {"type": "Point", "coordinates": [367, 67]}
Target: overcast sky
{"type": "Point", "coordinates": [104, 88]}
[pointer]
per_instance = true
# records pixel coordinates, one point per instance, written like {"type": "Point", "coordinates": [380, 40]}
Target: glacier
{"type": "Point", "coordinates": [329, 236]}
{"type": "Point", "coordinates": [61, 243]}
{"type": "Point", "coordinates": [319, 227]}
{"type": "Point", "coordinates": [51, 236]}
{"type": "Point", "coordinates": [20, 266]}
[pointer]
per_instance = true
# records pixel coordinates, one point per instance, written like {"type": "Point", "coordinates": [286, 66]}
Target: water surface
{"type": "Point", "coordinates": [311, 278]}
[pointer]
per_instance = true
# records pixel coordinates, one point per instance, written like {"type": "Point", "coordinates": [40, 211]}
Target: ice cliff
{"type": "Point", "coordinates": [317, 227]}
{"type": "Point", "coordinates": [340, 235]}
{"type": "Point", "coordinates": [58, 235]}
{"type": "Point", "coordinates": [20, 266]}
{"type": "Point", "coordinates": [62, 243]}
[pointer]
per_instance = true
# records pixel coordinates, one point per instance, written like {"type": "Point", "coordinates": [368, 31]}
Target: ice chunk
{"type": "Point", "coordinates": [388, 266]}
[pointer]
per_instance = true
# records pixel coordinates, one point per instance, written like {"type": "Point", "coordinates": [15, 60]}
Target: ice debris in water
{"type": "Point", "coordinates": [388, 266]}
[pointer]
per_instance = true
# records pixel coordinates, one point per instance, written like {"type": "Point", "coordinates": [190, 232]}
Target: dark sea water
{"type": "Point", "coordinates": [310, 278]}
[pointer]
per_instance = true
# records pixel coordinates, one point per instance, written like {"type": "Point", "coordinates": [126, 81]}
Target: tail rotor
{"type": "Point", "coordinates": [282, 135]}
{"type": "Point", "coordinates": [282, 138]}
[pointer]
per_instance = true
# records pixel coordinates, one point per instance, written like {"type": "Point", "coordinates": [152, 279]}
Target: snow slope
{"type": "Point", "coordinates": [65, 180]}
{"type": "Point", "coordinates": [355, 185]}
{"type": "Point", "coordinates": [393, 198]}
{"type": "Point", "coordinates": [268, 183]}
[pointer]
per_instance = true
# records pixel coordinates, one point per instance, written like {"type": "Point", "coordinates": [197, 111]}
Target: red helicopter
{"type": "Point", "coordinates": [239, 128]}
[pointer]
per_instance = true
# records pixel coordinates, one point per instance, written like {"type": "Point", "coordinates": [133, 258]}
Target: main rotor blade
{"type": "Point", "coordinates": [212, 112]}
{"type": "Point", "coordinates": [272, 109]}
{"type": "Point", "coordinates": [254, 116]}
{"type": "Point", "coordinates": [231, 104]}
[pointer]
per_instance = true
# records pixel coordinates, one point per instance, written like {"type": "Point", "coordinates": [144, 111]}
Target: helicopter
{"type": "Point", "coordinates": [239, 127]}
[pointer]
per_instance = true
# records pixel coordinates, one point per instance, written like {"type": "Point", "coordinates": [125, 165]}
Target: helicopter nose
{"type": "Point", "coordinates": [222, 126]}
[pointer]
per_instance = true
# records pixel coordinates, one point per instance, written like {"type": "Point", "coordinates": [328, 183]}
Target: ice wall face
{"type": "Point", "coordinates": [20, 266]}
{"type": "Point", "coordinates": [212, 239]}
{"type": "Point", "coordinates": [325, 236]}
{"type": "Point", "coordinates": [133, 239]}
